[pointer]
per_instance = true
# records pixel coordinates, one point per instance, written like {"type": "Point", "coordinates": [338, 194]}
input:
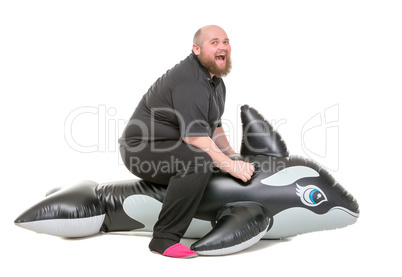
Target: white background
{"type": "Point", "coordinates": [292, 60]}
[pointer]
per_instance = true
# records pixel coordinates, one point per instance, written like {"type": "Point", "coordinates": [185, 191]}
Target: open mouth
{"type": "Point", "coordinates": [220, 57]}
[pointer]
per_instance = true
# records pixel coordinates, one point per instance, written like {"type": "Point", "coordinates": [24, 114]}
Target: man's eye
{"type": "Point", "coordinates": [214, 42]}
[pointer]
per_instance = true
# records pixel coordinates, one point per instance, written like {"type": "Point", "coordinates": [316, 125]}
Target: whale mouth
{"type": "Point", "coordinates": [294, 221]}
{"type": "Point", "coordinates": [354, 214]}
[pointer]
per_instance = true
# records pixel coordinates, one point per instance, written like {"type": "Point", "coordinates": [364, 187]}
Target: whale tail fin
{"type": "Point", "coordinates": [259, 137]}
{"type": "Point", "coordinates": [70, 212]}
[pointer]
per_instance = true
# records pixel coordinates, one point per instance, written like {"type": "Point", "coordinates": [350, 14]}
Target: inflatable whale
{"type": "Point", "coordinates": [286, 196]}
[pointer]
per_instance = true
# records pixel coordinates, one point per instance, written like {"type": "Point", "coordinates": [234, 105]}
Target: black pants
{"type": "Point", "coordinates": [185, 170]}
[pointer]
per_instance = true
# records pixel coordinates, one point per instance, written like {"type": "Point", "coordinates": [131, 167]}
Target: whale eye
{"type": "Point", "coordinates": [311, 195]}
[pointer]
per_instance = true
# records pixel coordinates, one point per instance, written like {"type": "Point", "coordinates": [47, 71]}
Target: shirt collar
{"type": "Point", "coordinates": [215, 81]}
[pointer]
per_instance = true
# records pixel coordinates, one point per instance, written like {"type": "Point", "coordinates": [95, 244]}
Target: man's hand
{"type": "Point", "coordinates": [240, 170]}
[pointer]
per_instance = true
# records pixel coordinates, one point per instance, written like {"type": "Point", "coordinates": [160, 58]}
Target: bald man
{"type": "Point", "coordinates": [175, 137]}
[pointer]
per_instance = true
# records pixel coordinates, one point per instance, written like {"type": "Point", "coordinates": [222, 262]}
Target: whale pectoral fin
{"type": "Point", "coordinates": [239, 226]}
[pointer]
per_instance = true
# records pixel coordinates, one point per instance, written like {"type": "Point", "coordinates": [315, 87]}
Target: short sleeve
{"type": "Point", "coordinates": [191, 105]}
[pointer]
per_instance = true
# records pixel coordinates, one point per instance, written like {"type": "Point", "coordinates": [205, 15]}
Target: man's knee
{"type": "Point", "coordinates": [199, 163]}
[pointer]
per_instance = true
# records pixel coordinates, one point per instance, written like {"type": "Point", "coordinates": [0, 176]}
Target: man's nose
{"type": "Point", "coordinates": [223, 46]}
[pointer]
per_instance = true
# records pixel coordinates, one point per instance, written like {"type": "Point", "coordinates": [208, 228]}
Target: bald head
{"type": "Point", "coordinates": [204, 32]}
{"type": "Point", "coordinates": [211, 45]}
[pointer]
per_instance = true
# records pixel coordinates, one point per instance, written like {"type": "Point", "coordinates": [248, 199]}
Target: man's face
{"type": "Point", "coordinates": [214, 53]}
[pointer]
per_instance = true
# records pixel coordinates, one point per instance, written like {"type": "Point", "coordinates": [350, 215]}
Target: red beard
{"type": "Point", "coordinates": [213, 68]}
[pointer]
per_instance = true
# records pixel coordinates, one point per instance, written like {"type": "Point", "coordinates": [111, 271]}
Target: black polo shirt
{"type": "Point", "coordinates": [184, 102]}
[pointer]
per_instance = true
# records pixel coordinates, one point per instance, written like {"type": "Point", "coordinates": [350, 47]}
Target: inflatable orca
{"type": "Point", "coordinates": [286, 196]}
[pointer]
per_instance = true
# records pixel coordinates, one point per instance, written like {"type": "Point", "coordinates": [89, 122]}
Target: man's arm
{"type": "Point", "coordinates": [222, 141]}
{"type": "Point", "coordinates": [237, 169]}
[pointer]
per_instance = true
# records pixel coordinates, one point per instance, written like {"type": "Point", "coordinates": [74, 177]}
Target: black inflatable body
{"type": "Point", "coordinates": [285, 197]}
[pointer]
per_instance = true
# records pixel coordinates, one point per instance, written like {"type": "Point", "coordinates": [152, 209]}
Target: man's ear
{"type": "Point", "coordinates": [196, 49]}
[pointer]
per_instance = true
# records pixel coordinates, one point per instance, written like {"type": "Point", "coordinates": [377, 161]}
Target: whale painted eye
{"type": "Point", "coordinates": [311, 195]}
